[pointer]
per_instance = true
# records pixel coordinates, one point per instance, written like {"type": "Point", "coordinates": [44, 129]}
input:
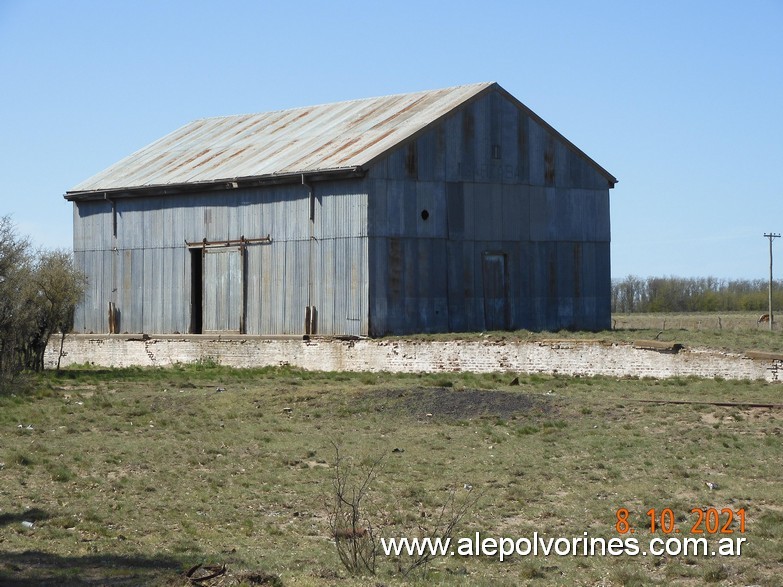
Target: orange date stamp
{"type": "Point", "coordinates": [703, 521]}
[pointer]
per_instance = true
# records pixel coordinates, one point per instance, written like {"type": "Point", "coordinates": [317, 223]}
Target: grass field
{"type": "Point", "coordinates": [730, 331]}
{"type": "Point", "coordinates": [131, 477]}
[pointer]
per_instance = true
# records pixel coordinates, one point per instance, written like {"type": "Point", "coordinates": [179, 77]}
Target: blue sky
{"type": "Point", "coordinates": [681, 100]}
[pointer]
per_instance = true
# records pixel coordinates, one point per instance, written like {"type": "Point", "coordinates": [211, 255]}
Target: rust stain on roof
{"type": "Point", "coordinates": [300, 140]}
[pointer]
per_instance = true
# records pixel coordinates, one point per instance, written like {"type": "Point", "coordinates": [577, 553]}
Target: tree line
{"type": "Point", "coordinates": [39, 290]}
{"type": "Point", "coordinates": [699, 294]}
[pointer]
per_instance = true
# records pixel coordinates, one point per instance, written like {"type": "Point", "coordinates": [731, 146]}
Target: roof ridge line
{"type": "Point", "coordinates": [353, 101]}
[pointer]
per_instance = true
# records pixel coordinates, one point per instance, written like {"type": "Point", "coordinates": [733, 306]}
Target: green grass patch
{"type": "Point", "coordinates": [133, 476]}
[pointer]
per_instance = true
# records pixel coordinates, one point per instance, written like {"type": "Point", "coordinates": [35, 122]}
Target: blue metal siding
{"type": "Point", "coordinates": [512, 188]}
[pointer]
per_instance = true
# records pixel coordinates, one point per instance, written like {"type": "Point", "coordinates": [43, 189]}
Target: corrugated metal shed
{"type": "Point", "coordinates": [331, 137]}
{"type": "Point", "coordinates": [450, 210]}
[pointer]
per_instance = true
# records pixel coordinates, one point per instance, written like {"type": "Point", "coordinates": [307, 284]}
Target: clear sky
{"type": "Point", "coordinates": [681, 100]}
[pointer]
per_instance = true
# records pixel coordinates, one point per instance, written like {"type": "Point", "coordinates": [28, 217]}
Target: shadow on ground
{"type": "Point", "coordinates": [41, 569]}
{"type": "Point", "coordinates": [32, 515]}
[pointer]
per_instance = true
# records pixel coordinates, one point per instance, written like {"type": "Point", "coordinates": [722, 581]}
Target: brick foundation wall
{"type": "Point", "coordinates": [583, 358]}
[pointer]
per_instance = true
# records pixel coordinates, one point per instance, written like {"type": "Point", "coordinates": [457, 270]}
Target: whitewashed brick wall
{"type": "Point", "coordinates": [408, 356]}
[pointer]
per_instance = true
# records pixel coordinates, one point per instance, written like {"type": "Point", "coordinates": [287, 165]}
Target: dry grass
{"type": "Point", "coordinates": [731, 331]}
{"type": "Point", "coordinates": [131, 477]}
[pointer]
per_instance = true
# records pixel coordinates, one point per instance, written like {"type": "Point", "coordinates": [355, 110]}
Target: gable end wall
{"type": "Point", "coordinates": [511, 212]}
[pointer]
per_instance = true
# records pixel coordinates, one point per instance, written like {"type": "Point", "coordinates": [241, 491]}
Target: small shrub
{"type": "Point", "coordinates": [62, 474]}
{"type": "Point", "coordinates": [715, 574]}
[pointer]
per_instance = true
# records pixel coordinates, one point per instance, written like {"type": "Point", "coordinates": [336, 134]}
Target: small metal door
{"type": "Point", "coordinates": [496, 310]}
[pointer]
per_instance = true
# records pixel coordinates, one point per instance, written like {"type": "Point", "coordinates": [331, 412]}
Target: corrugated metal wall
{"type": "Point", "coordinates": [146, 270]}
{"type": "Point", "coordinates": [499, 191]}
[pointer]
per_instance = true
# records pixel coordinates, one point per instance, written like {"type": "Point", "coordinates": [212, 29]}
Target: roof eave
{"type": "Point", "coordinates": [216, 185]}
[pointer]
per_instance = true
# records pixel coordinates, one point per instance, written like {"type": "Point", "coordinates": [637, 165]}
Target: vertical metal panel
{"type": "Point", "coordinates": [343, 210]}
{"type": "Point", "coordinates": [429, 270]}
{"type": "Point", "coordinates": [566, 285]}
{"type": "Point", "coordinates": [130, 223]}
{"type": "Point", "coordinates": [91, 308]}
{"type": "Point", "coordinates": [175, 291]}
{"type": "Point", "coordinates": [601, 216]}
{"type": "Point", "coordinates": [295, 288]}
{"type": "Point", "coordinates": [536, 146]}
{"type": "Point", "coordinates": [377, 216]}
{"type": "Point", "coordinates": [603, 284]}
{"type": "Point", "coordinates": [425, 156]}
{"type": "Point", "coordinates": [275, 288]}
{"type": "Point", "coordinates": [576, 170]}
{"type": "Point", "coordinates": [469, 191]}
{"type": "Point", "coordinates": [467, 145]}
{"type": "Point", "coordinates": [515, 207]}
{"type": "Point", "coordinates": [455, 204]}
{"type": "Point", "coordinates": [539, 281]}
{"type": "Point", "coordinates": [78, 228]}
{"type": "Point", "coordinates": [395, 287]}
{"type": "Point", "coordinates": [543, 214]}
{"type": "Point", "coordinates": [124, 282]}
{"type": "Point", "coordinates": [396, 164]}
{"type": "Point", "coordinates": [253, 289]}
{"type": "Point", "coordinates": [565, 214]}
{"type": "Point", "coordinates": [80, 312]}
{"type": "Point", "coordinates": [135, 301]}
{"type": "Point", "coordinates": [508, 140]}
{"type": "Point", "coordinates": [377, 263]}
{"type": "Point", "coordinates": [324, 270]}
{"type": "Point", "coordinates": [453, 140]}
{"type": "Point", "coordinates": [562, 165]}
{"type": "Point", "coordinates": [455, 252]}
{"type": "Point", "coordinates": [439, 156]}
{"type": "Point", "coordinates": [343, 299]}
{"type": "Point", "coordinates": [471, 279]}
{"type": "Point", "coordinates": [487, 211]}
{"type": "Point", "coordinates": [92, 226]}
{"type": "Point", "coordinates": [439, 281]}
{"type": "Point", "coordinates": [108, 293]}
{"type": "Point", "coordinates": [523, 148]}
{"type": "Point", "coordinates": [395, 208]}
{"type": "Point", "coordinates": [152, 293]}
{"type": "Point", "coordinates": [481, 140]}
{"type": "Point", "coordinates": [173, 234]}
{"type": "Point", "coordinates": [154, 228]}
{"type": "Point", "coordinates": [379, 169]}
{"type": "Point", "coordinates": [494, 148]}
{"type": "Point", "coordinates": [266, 301]}
{"type": "Point", "coordinates": [340, 265]}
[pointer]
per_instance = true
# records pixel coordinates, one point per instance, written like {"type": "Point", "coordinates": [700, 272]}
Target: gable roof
{"type": "Point", "coordinates": [342, 137]}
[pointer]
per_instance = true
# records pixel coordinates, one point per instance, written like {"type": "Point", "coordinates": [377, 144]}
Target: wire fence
{"type": "Point", "coordinates": [732, 321]}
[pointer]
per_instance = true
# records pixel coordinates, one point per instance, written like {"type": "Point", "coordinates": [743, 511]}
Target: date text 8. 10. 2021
{"type": "Point", "coordinates": [709, 520]}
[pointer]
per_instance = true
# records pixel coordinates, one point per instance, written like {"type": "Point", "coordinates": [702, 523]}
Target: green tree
{"type": "Point", "coordinates": [38, 295]}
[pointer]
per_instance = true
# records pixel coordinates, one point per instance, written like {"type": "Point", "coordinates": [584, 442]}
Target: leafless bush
{"type": "Point", "coordinates": [441, 527]}
{"type": "Point", "coordinates": [352, 529]}
{"type": "Point", "coordinates": [357, 528]}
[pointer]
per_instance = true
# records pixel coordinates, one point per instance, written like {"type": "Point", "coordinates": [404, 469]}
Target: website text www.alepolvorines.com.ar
{"type": "Point", "coordinates": [586, 546]}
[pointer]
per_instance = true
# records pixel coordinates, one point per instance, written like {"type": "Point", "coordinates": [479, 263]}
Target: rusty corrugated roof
{"type": "Point", "coordinates": [339, 136]}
